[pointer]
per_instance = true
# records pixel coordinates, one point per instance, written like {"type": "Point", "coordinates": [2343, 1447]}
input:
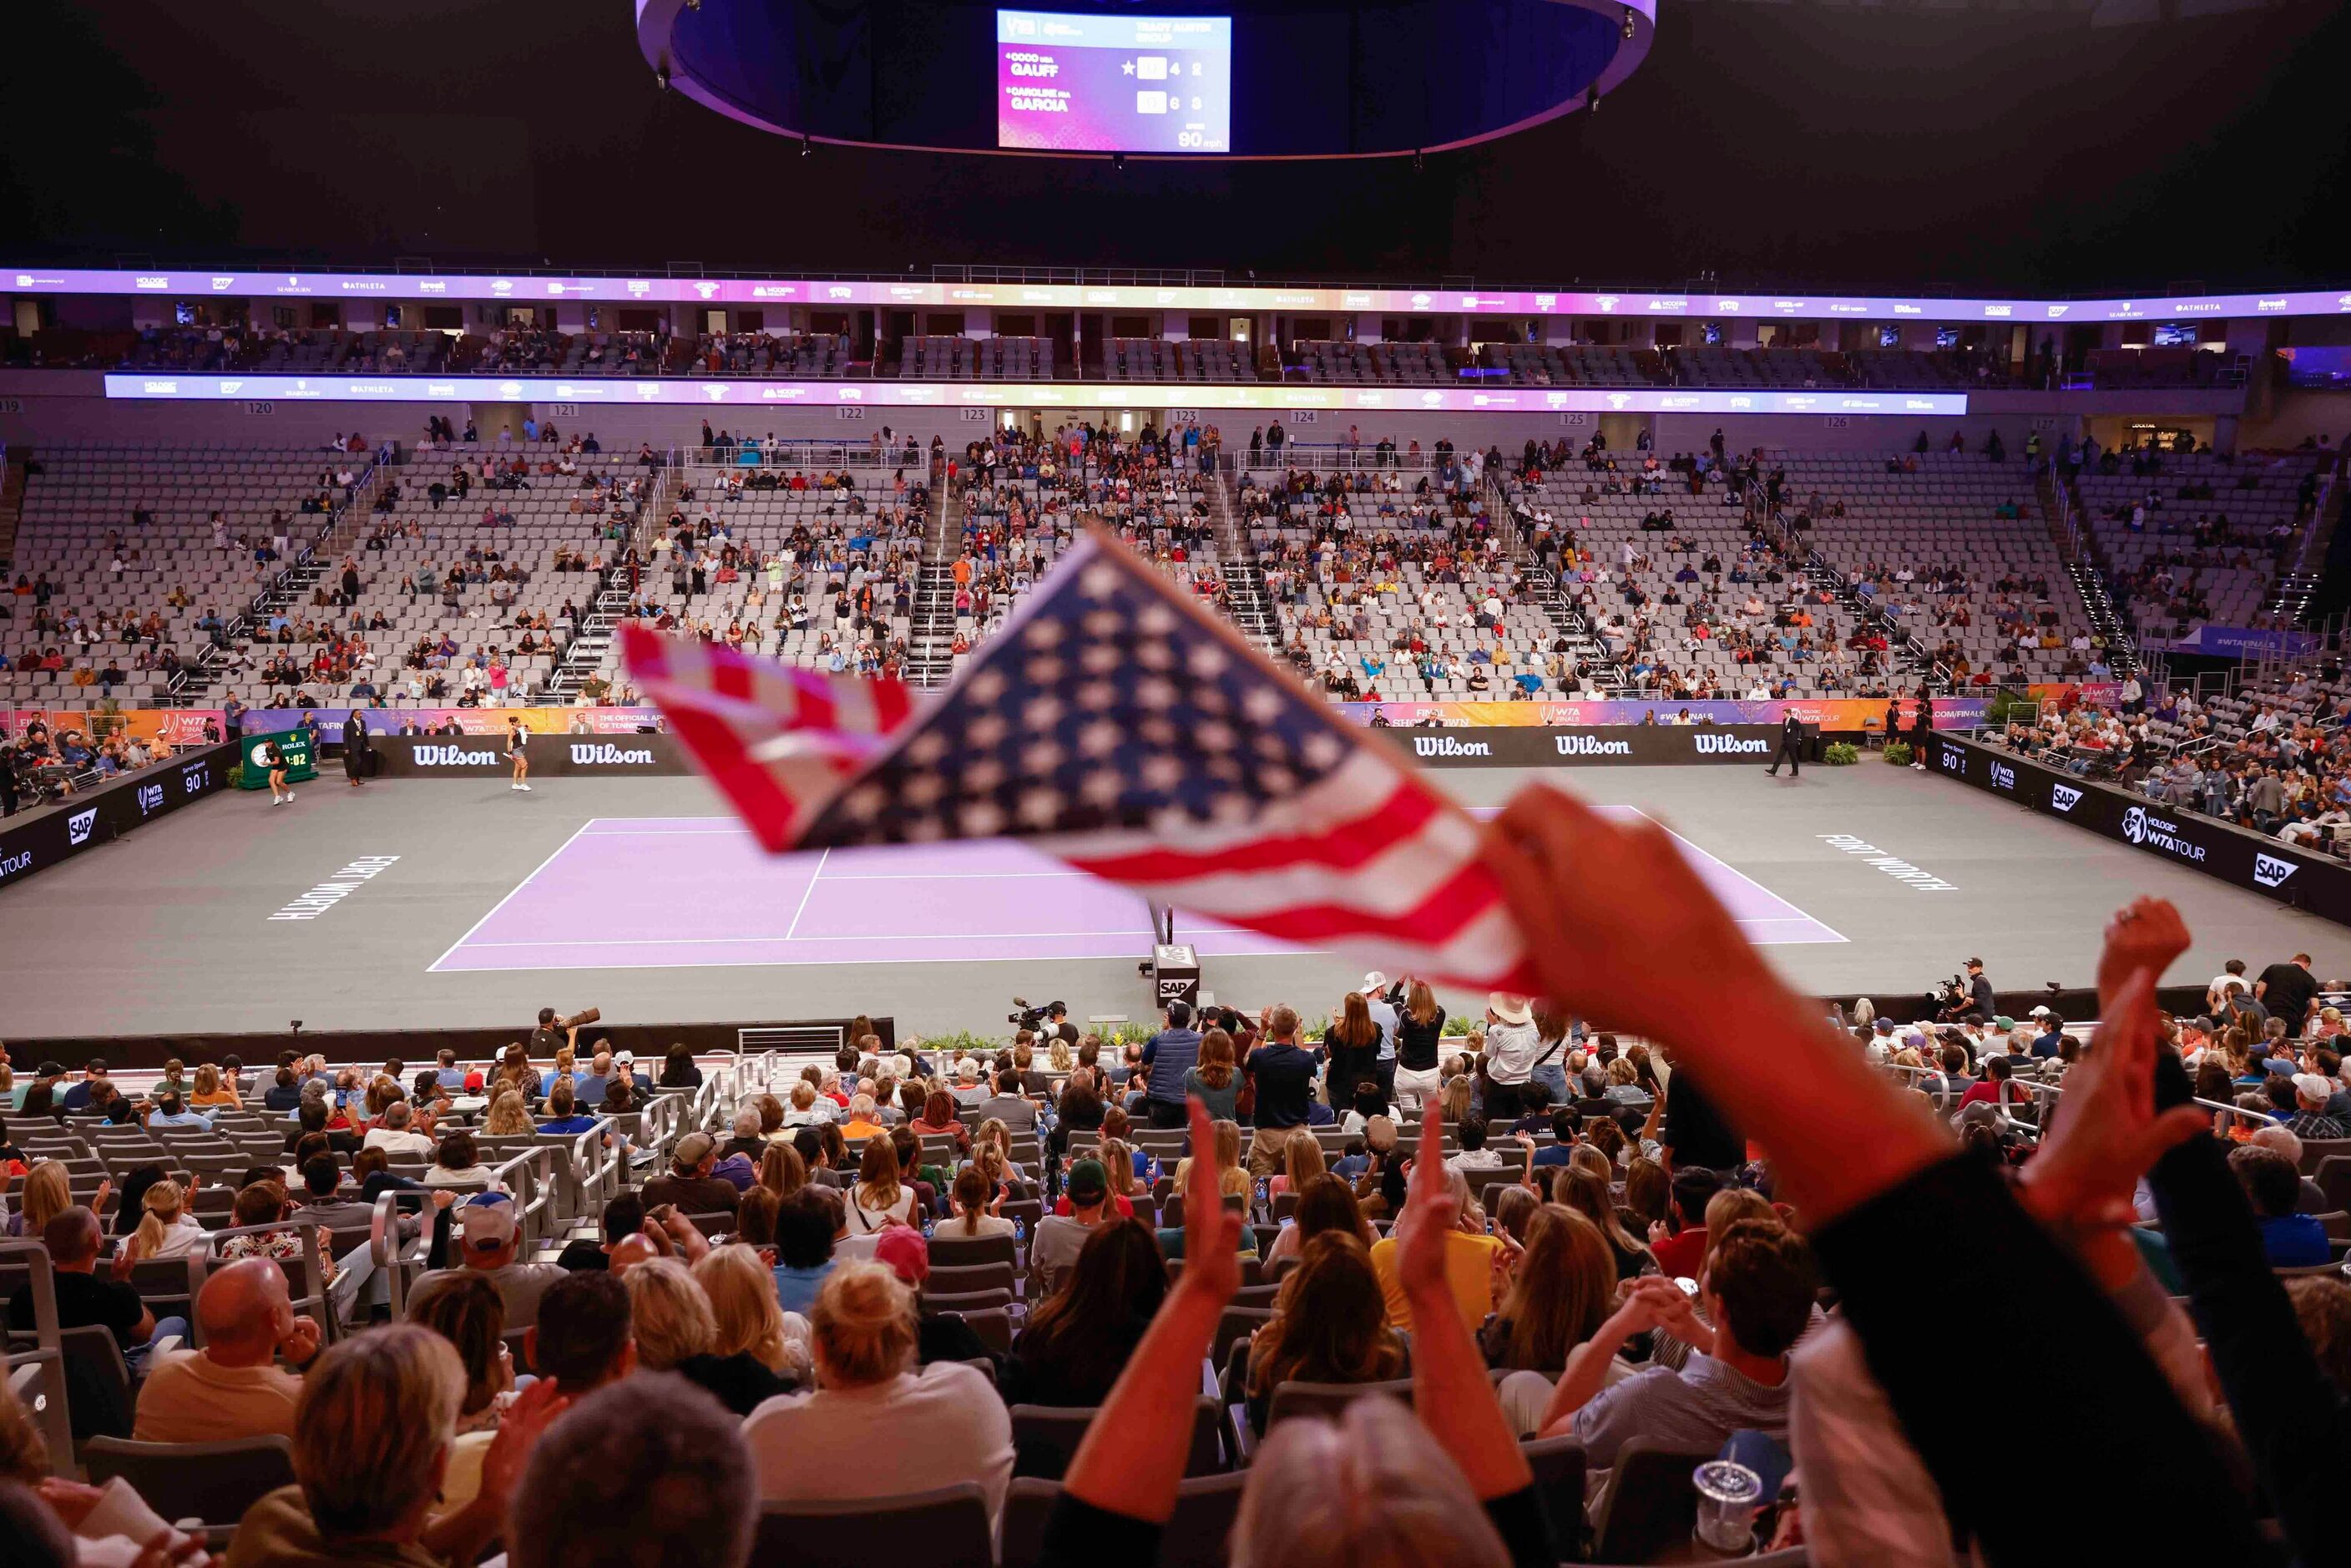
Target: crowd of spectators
{"type": "Point", "coordinates": [1537, 1230]}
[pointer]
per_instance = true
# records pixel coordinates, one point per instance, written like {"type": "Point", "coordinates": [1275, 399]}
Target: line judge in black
{"type": "Point", "coordinates": [1791, 748]}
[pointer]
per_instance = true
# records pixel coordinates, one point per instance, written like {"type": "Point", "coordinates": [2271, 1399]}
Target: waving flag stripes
{"type": "Point", "coordinates": [1119, 726]}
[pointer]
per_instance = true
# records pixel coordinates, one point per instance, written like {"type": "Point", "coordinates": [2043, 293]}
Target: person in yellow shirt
{"type": "Point", "coordinates": [1470, 1256]}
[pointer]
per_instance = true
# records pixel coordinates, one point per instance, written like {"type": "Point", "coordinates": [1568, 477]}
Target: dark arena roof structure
{"type": "Point", "coordinates": [1392, 78]}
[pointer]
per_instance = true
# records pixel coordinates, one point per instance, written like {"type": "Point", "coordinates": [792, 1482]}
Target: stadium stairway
{"type": "Point", "coordinates": [1251, 607]}
{"type": "Point", "coordinates": [930, 658]}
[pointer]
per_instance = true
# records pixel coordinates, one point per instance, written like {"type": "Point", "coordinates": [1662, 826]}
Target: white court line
{"type": "Point", "coordinates": [955, 875]}
{"type": "Point", "coordinates": [802, 909]}
{"type": "Point", "coordinates": [850, 963]}
{"type": "Point", "coordinates": [1834, 933]}
{"type": "Point", "coordinates": [888, 937]}
{"type": "Point", "coordinates": [502, 903]}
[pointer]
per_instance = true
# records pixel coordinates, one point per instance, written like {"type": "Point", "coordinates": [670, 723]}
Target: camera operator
{"type": "Point", "coordinates": [1968, 1001]}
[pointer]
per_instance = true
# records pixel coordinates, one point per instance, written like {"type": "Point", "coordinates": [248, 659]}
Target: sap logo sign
{"type": "Point", "coordinates": [1591, 745]}
{"type": "Point", "coordinates": [610, 755]}
{"type": "Point", "coordinates": [454, 757]}
{"type": "Point", "coordinates": [1724, 745]}
{"type": "Point", "coordinates": [151, 799]}
{"type": "Point", "coordinates": [2063, 797]}
{"type": "Point", "coordinates": [78, 826]}
{"type": "Point", "coordinates": [2269, 870]}
{"type": "Point", "coordinates": [1446, 746]}
{"type": "Point", "coordinates": [2003, 776]}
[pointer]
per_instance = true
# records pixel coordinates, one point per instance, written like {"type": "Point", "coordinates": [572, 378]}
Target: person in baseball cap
{"type": "Point", "coordinates": [938, 1336]}
{"type": "Point", "coordinates": [486, 1224]}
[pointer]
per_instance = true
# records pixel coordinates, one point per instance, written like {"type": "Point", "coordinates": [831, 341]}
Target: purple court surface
{"type": "Point", "coordinates": [695, 891]}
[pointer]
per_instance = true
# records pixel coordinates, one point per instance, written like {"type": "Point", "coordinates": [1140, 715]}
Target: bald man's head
{"type": "Point", "coordinates": [244, 1310]}
{"type": "Point", "coordinates": [631, 1250]}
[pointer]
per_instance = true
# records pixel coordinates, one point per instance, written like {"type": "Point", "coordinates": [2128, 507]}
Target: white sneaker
{"type": "Point", "coordinates": [524, 787]}
{"type": "Point", "coordinates": [290, 797]}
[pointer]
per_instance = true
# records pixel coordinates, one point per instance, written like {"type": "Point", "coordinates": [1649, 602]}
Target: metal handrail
{"type": "Point", "coordinates": [45, 1361]}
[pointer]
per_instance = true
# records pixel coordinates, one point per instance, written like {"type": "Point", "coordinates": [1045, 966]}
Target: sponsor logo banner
{"type": "Point", "coordinates": [1837, 715]}
{"type": "Point", "coordinates": [2263, 865]}
{"type": "Point", "coordinates": [484, 757]}
{"type": "Point", "coordinates": [1640, 746]}
{"type": "Point", "coordinates": [34, 842]}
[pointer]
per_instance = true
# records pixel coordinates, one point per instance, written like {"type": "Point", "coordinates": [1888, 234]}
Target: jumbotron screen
{"type": "Point", "coordinates": [1113, 84]}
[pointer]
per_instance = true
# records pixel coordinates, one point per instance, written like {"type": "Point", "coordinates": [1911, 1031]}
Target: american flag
{"type": "Point", "coordinates": [1117, 725]}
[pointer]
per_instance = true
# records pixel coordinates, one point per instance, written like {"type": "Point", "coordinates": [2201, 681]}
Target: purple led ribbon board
{"type": "Point", "coordinates": [613, 392]}
{"type": "Point", "coordinates": [877, 291]}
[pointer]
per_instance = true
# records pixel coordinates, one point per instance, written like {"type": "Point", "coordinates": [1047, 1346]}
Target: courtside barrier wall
{"type": "Point", "coordinates": [2317, 883]}
{"type": "Point", "coordinates": [1621, 745]}
{"type": "Point", "coordinates": [551, 756]}
{"type": "Point", "coordinates": [33, 843]}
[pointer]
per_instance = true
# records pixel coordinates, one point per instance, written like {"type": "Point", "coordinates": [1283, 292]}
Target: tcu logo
{"type": "Point", "coordinates": [151, 799]}
{"type": "Point", "coordinates": [2134, 824]}
{"type": "Point", "coordinates": [78, 826]}
{"type": "Point", "coordinates": [2062, 797]}
{"type": "Point", "coordinates": [2269, 872]}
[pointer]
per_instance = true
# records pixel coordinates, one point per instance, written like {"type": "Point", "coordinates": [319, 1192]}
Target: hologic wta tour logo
{"type": "Point", "coordinates": [2150, 831]}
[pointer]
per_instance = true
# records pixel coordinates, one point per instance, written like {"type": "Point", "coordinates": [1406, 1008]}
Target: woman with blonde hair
{"type": "Point", "coordinates": [1562, 1290]}
{"type": "Point", "coordinates": [879, 1199]}
{"type": "Point", "coordinates": [1232, 1177]}
{"type": "Point", "coordinates": [1117, 1159]}
{"type": "Point", "coordinates": [47, 1193]}
{"type": "Point", "coordinates": [167, 1229]}
{"type": "Point", "coordinates": [212, 1090]}
{"type": "Point", "coordinates": [782, 1171]}
{"type": "Point", "coordinates": [864, 1340]}
{"type": "Point", "coordinates": [669, 1317]}
{"type": "Point", "coordinates": [1057, 1055]}
{"type": "Point", "coordinates": [1420, 1033]}
{"type": "Point", "coordinates": [1329, 1325]}
{"type": "Point", "coordinates": [1302, 1162]}
{"type": "Point", "coordinates": [755, 1343]}
{"type": "Point", "coordinates": [1455, 1100]}
{"type": "Point", "coordinates": [509, 1117]}
{"type": "Point", "coordinates": [808, 1108]}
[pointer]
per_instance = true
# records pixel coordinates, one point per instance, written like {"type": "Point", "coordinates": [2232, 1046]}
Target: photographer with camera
{"type": "Point", "coordinates": [554, 1033]}
{"type": "Point", "coordinates": [1967, 999]}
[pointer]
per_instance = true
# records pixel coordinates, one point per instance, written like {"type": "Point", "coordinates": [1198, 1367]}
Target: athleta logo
{"type": "Point", "coordinates": [2142, 828]}
{"type": "Point", "coordinates": [1719, 744]}
{"type": "Point", "coordinates": [2269, 870]}
{"type": "Point", "coordinates": [78, 826]}
{"type": "Point", "coordinates": [453, 757]}
{"type": "Point", "coordinates": [2003, 776]}
{"type": "Point", "coordinates": [1591, 745]}
{"type": "Point", "coordinates": [1446, 746]}
{"type": "Point", "coordinates": [608, 755]}
{"type": "Point", "coordinates": [2063, 797]}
